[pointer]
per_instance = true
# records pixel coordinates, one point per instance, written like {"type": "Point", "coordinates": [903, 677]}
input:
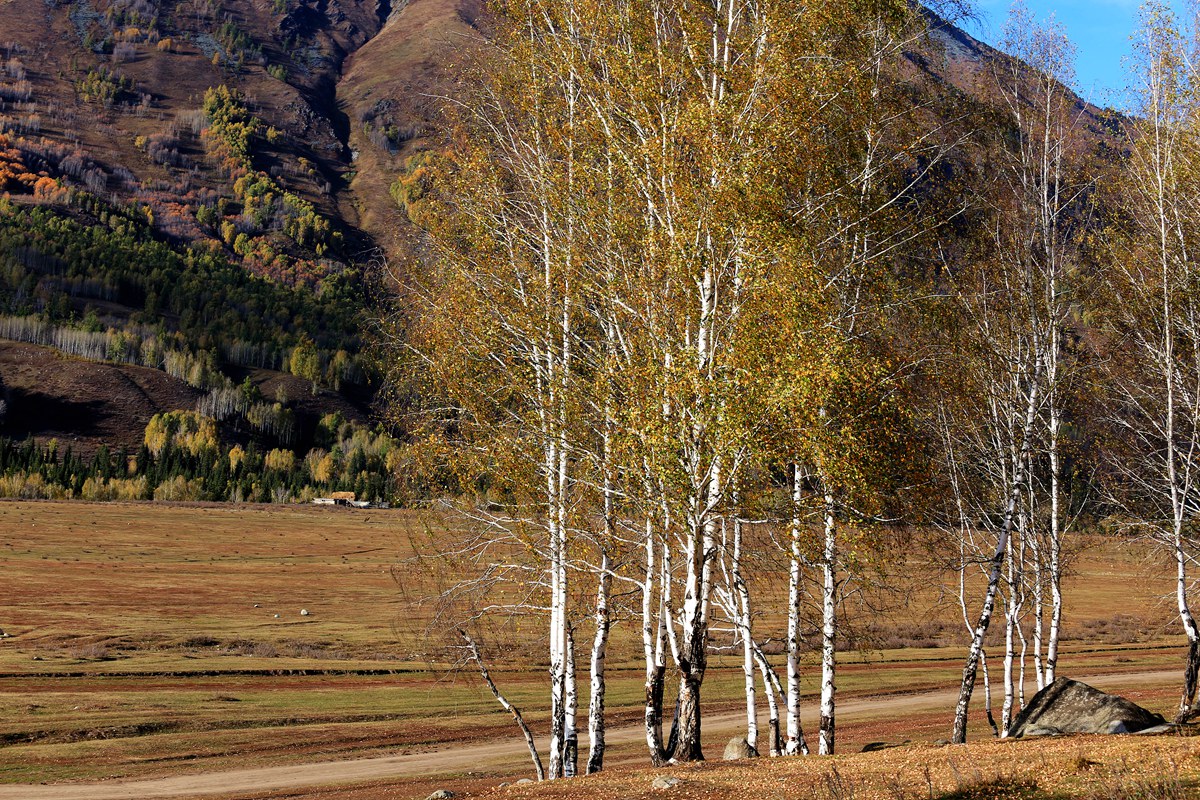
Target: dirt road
{"type": "Point", "coordinates": [463, 757]}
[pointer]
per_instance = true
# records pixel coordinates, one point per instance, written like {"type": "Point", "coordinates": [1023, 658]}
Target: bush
{"type": "Point", "coordinates": [179, 488]}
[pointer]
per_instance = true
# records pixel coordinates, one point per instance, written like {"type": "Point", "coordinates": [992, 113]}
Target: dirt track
{"type": "Point", "coordinates": [471, 756]}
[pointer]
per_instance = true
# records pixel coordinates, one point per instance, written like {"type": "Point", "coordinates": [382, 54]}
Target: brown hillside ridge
{"type": "Point", "coordinates": [342, 118]}
{"type": "Point", "coordinates": [354, 89]}
{"type": "Point", "coordinates": [400, 79]}
{"type": "Point", "coordinates": [85, 404]}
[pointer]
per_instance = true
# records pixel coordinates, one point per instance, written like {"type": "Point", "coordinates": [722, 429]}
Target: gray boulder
{"type": "Point", "coordinates": [1068, 706]}
{"type": "Point", "coordinates": [441, 794]}
{"type": "Point", "coordinates": [739, 747]}
{"type": "Point", "coordinates": [665, 782]}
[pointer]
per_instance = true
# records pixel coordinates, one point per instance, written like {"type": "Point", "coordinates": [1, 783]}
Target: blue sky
{"type": "Point", "coordinates": [1100, 30]}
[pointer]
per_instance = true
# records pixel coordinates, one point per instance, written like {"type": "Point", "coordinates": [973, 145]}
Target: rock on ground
{"type": "Point", "coordinates": [441, 794]}
{"type": "Point", "coordinates": [1068, 706]}
{"type": "Point", "coordinates": [739, 747]}
{"type": "Point", "coordinates": [664, 782]}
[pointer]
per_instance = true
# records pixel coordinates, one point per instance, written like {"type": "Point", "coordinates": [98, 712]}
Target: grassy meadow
{"type": "Point", "coordinates": [142, 641]}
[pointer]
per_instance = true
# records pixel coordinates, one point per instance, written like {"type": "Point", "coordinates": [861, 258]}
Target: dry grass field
{"type": "Point", "coordinates": [143, 642]}
{"type": "Point", "coordinates": [1072, 768]}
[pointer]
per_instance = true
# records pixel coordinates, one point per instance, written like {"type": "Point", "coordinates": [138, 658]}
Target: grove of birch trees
{"type": "Point", "coordinates": [721, 298]}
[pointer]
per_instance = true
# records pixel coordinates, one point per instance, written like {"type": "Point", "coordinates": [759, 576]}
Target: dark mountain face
{"type": "Point", "coordinates": [109, 96]}
{"type": "Point", "coordinates": [339, 95]}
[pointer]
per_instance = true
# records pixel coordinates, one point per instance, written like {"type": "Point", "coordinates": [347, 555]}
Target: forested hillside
{"type": "Point", "coordinates": [179, 194]}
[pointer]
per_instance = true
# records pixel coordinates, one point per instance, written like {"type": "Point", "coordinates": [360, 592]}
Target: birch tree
{"type": "Point", "coordinates": [852, 215]}
{"type": "Point", "coordinates": [687, 105]}
{"type": "Point", "coordinates": [1040, 203]}
{"type": "Point", "coordinates": [1153, 311]}
{"type": "Point", "coordinates": [1013, 315]}
{"type": "Point", "coordinates": [499, 315]}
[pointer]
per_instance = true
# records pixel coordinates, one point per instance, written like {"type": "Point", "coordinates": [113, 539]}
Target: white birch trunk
{"type": "Point", "coordinates": [603, 621]}
{"type": "Point", "coordinates": [826, 742]}
{"type": "Point", "coordinates": [746, 632]}
{"type": "Point", "coordinates": [652, 649]}
{"type": "Point", "coordinates": [507, 706]}
{"type": "Point", "coordinates": [793, 625]}
{"type": "Point", "coordinates": [774, 691]}
{"type": "Point", "coordinates": [959, 732]}
{"type": "Point", "coordinates": [1187, 703]}
{"type": "Point", "coordinates": [1010, 625]}
{"type": "Point", "coordinates": [596, 727]}
{"type": "Point", "coordinates": [1039, 672]}
{"type": "Point", "coordinates": [1055, 566]}
{"type": "Point", "coordinates": [570, 709]}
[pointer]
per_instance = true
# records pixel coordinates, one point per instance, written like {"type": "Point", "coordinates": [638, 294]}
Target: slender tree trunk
{"type": "Point", "coordinates": [603, 621]}
{"type": "Point", "coordinates": [558, 620]}
{"type": "Point", "coordinates": [570, 710]}
{"type": "Point", "coordinates": [774, 691]}
{"type": "Point", "coordinates": [1011, 621]}
{"type": "Point", "coordinates": [652, 648]}
{"type": "Point", "coordinates": [745, 631]}
{"type": "Point", "coordinates": [794, 729]}
{"type": "Point", "coordinates": [1039, 672]}
{"type": "Point", "coordinates": [595, 761]}
{"type": "Point", "coordinates": [1054, 545]}
{"type": "Point", "coordinates": [1037, 565]}
{"type": "Point", "coordinates": [1007, 706]}
{"type": "Point", "coordinates": [1021, 672]}
{"type": "Point", "coordinates": [987, 693]}
{"type": "Point", "coordinates": [1187, 703]}
{"type": "Point", "coordinates": [959, 732]}
{"type": "Point", "coordinates": [1056, 598]}
{"type": "Point", "coordinates": [507, 706]}
{"type": "Point", "coordinates": [826, 741]}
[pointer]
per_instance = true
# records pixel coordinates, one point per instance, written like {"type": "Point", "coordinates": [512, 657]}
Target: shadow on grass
{"type": "Point", "coordinates": [998, 789]}
{"type": "Point", "coordinates": [1111, 787]}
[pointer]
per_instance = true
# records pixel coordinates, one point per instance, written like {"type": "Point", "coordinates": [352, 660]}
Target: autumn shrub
{"type": "Point", "coordinates": [185, 430]}
{"type": "Point", "coordinates": [126, 489]}
{"type": "Point", "coordinates": [179, 488]}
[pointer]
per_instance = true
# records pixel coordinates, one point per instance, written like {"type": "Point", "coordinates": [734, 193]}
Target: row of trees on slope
{"type": "Point", "coordinates": [52, 262]}
{"type": "Point", "coordinates": [183, 458]}
{"type": "Point", "coordinates": [722, 282]}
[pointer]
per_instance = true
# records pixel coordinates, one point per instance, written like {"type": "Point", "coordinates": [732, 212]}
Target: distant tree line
{"type": "Point", "coordinates": [183, 457]}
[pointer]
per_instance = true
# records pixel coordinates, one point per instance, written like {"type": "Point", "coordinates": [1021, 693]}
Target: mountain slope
{"type": "Point", "coordinates": [204, 187]}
